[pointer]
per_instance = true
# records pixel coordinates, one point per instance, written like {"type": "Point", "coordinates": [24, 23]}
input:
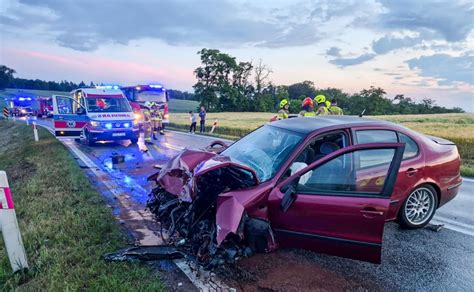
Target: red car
{"type": "Point", "coordinates": [327, 184]}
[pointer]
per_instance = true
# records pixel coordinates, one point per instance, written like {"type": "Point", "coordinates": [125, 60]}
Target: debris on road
{"type": "Point", "coordinates": [117, 158]}
{"type": "Point", "coordinates": [145, 253]}
{"type": "Point", "coordinates": [435, 227]}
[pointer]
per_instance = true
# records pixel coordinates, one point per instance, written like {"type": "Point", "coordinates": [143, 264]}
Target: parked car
{"type": "Point", "coordinates": [327, 184]}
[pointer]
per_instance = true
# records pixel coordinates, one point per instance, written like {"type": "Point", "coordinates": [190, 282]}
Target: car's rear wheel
{"type": "Point", "coordinates": [419, 207]}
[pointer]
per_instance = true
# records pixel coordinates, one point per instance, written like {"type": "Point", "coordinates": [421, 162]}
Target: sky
{"type": "Point", "coordinates": [422, 49]}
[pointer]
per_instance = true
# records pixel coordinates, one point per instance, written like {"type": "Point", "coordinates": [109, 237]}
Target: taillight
{"type": "Point", "coordinates": [165, 111]}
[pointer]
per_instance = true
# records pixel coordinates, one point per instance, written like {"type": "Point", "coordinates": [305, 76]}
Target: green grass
{"type": "Point", "coordinates": [65, 224]}
{"type": "Point", "coordinates": [458, 128]}
{"type": "Point", "coordinates": [182, 106]}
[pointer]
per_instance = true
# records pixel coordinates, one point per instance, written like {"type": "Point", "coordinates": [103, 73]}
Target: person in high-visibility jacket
{"type": "Point", "coordinates": [147, 123]}
{"type": "Point", "coordinates": [156, 120]}
{"type": "Point", "coordinates": [322, 108]}
{"type": "Point", "coordinates": [284, 111]}
{"type": "Point", "coordinates": [307, 108]}
{"type": "Point", "coordinates": [334, 109]}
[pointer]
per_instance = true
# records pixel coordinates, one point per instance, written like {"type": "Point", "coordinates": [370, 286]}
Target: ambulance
{"type": "Point", "coordinates": [95, 114]}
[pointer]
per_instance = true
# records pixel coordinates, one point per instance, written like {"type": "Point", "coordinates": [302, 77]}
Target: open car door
{"type": "Point", "coordinates": [69, 117]}
{"type": "Point", "coordinates": [338, 204]}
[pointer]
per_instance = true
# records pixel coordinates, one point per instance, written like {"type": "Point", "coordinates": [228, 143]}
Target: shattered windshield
{"type": "Point", "coordinates": [264, 150]}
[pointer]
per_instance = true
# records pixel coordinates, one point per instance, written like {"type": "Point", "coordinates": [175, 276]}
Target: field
{"type": "Point", "coordinates": [65, 224]}
{"type": "Point", "coordinates": [458, 128]}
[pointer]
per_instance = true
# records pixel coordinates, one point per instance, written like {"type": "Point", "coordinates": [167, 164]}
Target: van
{"type": "Point", "coordinates": [95, 114]}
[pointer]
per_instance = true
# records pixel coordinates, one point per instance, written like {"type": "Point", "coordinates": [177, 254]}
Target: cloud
{"type": "Point", "coordinates": [334, 52]}
{"type": "Point", "coordinates": [344, 62]}
{"type": "Point", "coordinates": [446, 68]}
{"type": "Point", "coordinates": [389, 43]}
{"type": "Point", "coordinates": [451, 19]}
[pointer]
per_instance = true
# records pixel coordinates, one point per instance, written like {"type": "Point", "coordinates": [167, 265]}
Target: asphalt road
{"type": "Point", "coordinates": [412, 259]}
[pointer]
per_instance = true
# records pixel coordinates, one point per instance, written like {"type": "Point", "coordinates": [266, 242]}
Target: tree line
{"type": "Point", "coordinates": [225, 84]}
{"type": "Point", "coordinates": [8, 80]}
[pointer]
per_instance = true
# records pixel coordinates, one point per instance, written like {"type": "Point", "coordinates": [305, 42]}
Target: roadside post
{"type": "Point", "coordinates": [27, 121]}
{"type": "Point", "coordinates": [6, 113]}
{"type": "Point", "coordinates": [9, 227]}
{"type": "Point", "coordinates": [213, 127]}
{"type": "Point", "coordinates": [35, 131]}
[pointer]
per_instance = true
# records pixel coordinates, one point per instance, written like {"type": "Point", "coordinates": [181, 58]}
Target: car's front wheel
{"type": "Point", "coordinates": [419, 207]}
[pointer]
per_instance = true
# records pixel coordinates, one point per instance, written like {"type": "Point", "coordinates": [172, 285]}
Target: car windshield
{"type": "Point", "coordinates": [107, 104]}
{"type": "Point", "coordinates": [154, 96]}
{"type": "Point", "coordinates": [264, 150]}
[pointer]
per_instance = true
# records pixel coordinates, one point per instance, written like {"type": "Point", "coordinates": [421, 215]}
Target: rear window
{"type": "Point", "coordinates": [376, 136]}
{"type": "Point", "coordinates": [411, 148]}
{"type": "Point", "coordinates": [386, 136]}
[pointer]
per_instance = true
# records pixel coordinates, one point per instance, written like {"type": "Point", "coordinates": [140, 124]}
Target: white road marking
{"type": "Point", "coordinates": [468, 179]}
{"type": "Point", "coordinates": [150, 238]}
{"type": "Point", "coordinates": [454, 225]}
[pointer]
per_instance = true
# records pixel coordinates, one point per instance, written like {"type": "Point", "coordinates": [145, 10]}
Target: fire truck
{"type": "Point", "coordinates": [139, 94]}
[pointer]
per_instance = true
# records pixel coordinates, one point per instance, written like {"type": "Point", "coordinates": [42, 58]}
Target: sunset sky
{"type": "Point", "coordinates": [417, 48]}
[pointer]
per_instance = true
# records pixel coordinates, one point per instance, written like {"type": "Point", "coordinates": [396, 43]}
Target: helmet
{"type": "Point", "coordinates": [328, 104]}
{"type": "Point", "coordinates": [320, 99]}
{"type": "Point", "coordinates": [308, 101]}
{"type": "Point", "coordinates": [149, 104]}
{"type": "Point", "coordinates": [283, 102]}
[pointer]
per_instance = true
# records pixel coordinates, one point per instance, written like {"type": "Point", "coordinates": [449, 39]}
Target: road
{"type": "Point", "coordinates": [412, 259]}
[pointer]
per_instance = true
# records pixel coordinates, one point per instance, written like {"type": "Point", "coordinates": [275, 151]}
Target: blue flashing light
{"type": "Point", "coordinates": [156, 86]}
{"type": "Point", "coordinates": [115, 87]}
{"type": "Point", "coordinates": [21, 98]}
{"type": "Point", "coordinates": [108, 126]}
{"type": "Point", "coordinates": [126, 125]}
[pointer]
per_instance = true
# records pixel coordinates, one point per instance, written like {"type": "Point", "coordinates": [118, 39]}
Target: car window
{"type": "Point", "coordinates": [341, 175]}
{"type": "Point", "coordinates": [411, 148]}
{"type": "Point", "coordinates": [264, 150]}
{"type": "Point", "coordinates": [376, 136]}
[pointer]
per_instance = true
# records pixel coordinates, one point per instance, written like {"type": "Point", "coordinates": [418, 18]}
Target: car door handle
{"type": "Point", "coordinates": [411, 171]}
{"type": "Point", "coordinates": [371, 213]}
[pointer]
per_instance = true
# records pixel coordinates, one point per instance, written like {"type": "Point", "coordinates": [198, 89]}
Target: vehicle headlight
{"type": "Point", "coordinates": [95, 123]}
{"type": "Point", "coordinates": [137, 116]}
{"type": "Point", "coordinates": [166, 116]}
{"type": "Point", "coordinates": [23, 111]}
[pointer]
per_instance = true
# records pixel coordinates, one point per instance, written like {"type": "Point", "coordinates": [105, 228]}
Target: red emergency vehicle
{"type": "Point", "coordinates": [139, 94]}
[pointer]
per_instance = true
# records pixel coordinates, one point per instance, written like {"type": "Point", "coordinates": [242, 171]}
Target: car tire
{"type": "Point", "coordinates": [134, 140]}
{"type": "Point", "coordinates": [418, 208]}
{"type": "Point", "coordinates": [89, 141]}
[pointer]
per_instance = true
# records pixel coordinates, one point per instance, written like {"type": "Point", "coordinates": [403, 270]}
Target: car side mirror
{"type": "Point", "coordinates": [81, 111]}
{"type": "Point", "coordinates": [289, 196]}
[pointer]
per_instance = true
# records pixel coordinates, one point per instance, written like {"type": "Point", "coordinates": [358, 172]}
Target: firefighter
{"type": "Point", "coordinates": [156, 120]}
{"type": "Point", "coordinates": [307, 108]}
{"type": "Point", "coordinates": [322, 108]}
{"type": "Point", "coordinates": [334, 109]}
{"type": "Point", "coordinates": [147, 123]}
{"type": "Point", "coordinates": [284, 109]}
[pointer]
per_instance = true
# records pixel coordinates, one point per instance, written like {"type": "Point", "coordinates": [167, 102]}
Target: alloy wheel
{"type": "Point", "coordinates": [420, 206]}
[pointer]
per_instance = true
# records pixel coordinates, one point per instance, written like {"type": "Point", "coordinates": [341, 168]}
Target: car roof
{"type": "Point", "coordinates": [309, 124]}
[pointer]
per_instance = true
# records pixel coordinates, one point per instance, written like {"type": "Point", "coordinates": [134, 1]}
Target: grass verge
{"type": "Point", "coordinates": [458, 128]}
{"type": "Point", "coordinates": [64, 222]}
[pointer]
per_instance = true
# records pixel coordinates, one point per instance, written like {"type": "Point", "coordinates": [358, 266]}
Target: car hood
{"type": "Point", "coordinates": [180, 174]}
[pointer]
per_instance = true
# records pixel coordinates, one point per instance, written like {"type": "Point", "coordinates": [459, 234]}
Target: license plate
{"type": "Point", "coordinates": [118, 134]}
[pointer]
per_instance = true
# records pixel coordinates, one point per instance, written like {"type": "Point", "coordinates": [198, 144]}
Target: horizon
{"type": "Point", "coordinates": [420, 49]}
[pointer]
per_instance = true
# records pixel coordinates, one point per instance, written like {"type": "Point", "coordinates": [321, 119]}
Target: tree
{"type": "Point", "coordinates": [222, 83]}
{"type": "Point", "coordinates": [6, 76]}
{"type": "Point", "coordinates": [305, 88]}
{"type": "Point", "coordinates": [262, 72]}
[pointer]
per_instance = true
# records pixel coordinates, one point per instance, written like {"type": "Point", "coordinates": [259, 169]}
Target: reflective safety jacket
{"type": "Point", "coordinates": [322, 111]}
{"type": "Point", "coordinates": [335, 110]}
{"type": "Point", "coordinates": [283, 114]}
{"type": "Point", "coordinates": [146, 115]}
{"type": "Point", "coordinates": [156, 115]}
{"type": "Point", "coordinates": [307, 114]}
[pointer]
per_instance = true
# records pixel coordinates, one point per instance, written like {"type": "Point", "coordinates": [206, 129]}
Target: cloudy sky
{"type": "Point", "coordinates": [417, 48]}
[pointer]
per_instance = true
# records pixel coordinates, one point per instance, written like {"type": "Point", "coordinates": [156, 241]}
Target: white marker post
{"type": "Point", "coordinates": [9, 227]}
{"type": "Point", "coordinates": [27, 121]}
{"type": "Point", "coordinates": [213, 127]}
{"type": "Point", "coordinates": [35, 131]}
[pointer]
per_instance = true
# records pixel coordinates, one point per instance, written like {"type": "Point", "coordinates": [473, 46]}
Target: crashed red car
{"type": "Point", "coordinates": [326, 184]}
